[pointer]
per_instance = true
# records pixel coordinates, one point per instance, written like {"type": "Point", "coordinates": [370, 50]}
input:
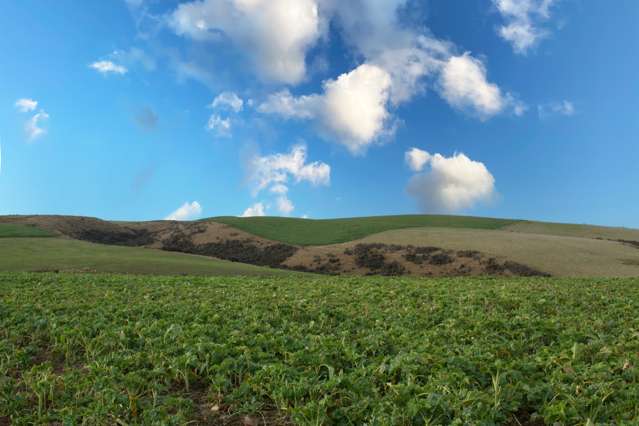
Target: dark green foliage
{"type": "Point", "coordinates": [102, 349]}
{"type": "Point", "coordinates": [244, 251]}
{"type": "Point", "coordinates": [332, 231]}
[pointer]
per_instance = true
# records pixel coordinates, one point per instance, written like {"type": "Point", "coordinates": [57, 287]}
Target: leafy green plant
{"type": "Point", "coordinates": [109, 349]}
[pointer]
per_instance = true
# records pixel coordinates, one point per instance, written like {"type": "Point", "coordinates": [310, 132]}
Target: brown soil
{"type": "Point", "coordinates": [224, 242]}
{"type": "Point", "coordinates": [392, 259]}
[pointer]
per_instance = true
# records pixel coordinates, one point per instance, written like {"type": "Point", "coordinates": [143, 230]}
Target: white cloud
{"type": "Point", "coordinates": [228, 100]}
{"type": "Point", "coordinates": [33, 127]}
{"type": "Point", "coordinates": [26, 105]}
{"type": "Point", "coordinates": [564, 107]}
{"type": "Point", "coordinates": [218, 125]}
{"type": "Point", "coordinates": [256, 209]}
{"type": "Point", "coordinates": [108, 67]}
{"type": "Point", "coordinates": [464, 85]}
{"type": "Point", "coordinates": [275, 172]}
{"type": "Point", "coordinates": [522, 19]}
{"type": "Point", "coordinates": [355, 106]}
{"type": "Point", "coordinates": [276, 169]}
{"type": "Point", "coordinates": [283, 103]}
{"type": "Point", "coordinates": [276, 34]}
{"type": "Point", "coordinates": [416, 159]}
{"type": "Point", "coordinates": [452, 184]}
{"type": "Point", "coordinates": [352, 108]}
{"type": "Point", "coordinates": [187, 211]}
{"type": "Point", "coordinates": [284, 205]}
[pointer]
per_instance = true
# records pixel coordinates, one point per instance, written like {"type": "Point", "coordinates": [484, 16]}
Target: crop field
{"type": "Point", "coordinates": [306, 232]}
{"type": "Point", "coordinates": [117, 349]}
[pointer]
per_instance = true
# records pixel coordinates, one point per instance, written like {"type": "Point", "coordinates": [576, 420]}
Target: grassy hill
{"type": "Point", "coordinates": [106, 349]}
{"type": "Point", "coordinates": [306, 232]}
{"type": "Point", "coordinates": [57, 254]}
{"type": "Point", "coordinates": [11, 230]}
{"type": "Point", "coordinates": [558, 255]}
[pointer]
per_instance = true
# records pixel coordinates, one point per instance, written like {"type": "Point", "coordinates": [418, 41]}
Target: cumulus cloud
{"type": "Point", "coordinates": [522, 22]}
{"type": "Point", "coordinates": [451, 184]}
{"type": "Point", "coordinates": [284, 205]}
{"type": "Point", "coordinates": [228, 100]}
{"type": "Point", "coordinates": [565, 108]}
{"type": "Point", "coordinates": [33, 127]}
{"type": "Point", "coordinates": [277, 169]}
{"type": "Point", "coordinates": [187, 211]}
{"type": "Point", "coordinates": [108, 67]}
{"type": "Point", "coordinates": [416, 159]}
{"type": "Point", "coordinates": [463, 84]}
{"type": "Point", "coordinates": [256, 209]}
{"type": "Point", "coordinates": [276, 34]}
{"type": "Point", "coordinates": [276, 172]}
{"type": "Point", "coordinates": [26, 105]}
{"type": "Point", "coordinates": [352, 108]}
{"type": "Point", "coordinates": [218, 125]}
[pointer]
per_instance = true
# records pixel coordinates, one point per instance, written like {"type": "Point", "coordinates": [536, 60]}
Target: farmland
{"type": "Point", "coordinates": [117, 349]}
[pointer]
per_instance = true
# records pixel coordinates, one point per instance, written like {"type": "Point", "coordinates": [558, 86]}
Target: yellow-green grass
{"type": "Point", "coordinates": [11, 230]}
{"type": "Point", "coordinates": [306, 232]}
{"type": "Point", "coordinates": [557, 255]}
{"type": "Point", "coordinates": [573, 230]}
{"type": "Point", "coordinates": [56, 254]}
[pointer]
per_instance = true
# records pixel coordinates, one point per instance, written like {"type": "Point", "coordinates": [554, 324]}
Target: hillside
{"type": "Point", "coordinates": [305, 232]}
{"type": "Point", "coordinates": [389, 245]}
{"type": "Point", "coordinates": [57, 254]}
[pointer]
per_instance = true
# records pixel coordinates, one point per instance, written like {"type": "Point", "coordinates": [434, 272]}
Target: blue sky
{"type": "Point", "coordinates": [146, 109]}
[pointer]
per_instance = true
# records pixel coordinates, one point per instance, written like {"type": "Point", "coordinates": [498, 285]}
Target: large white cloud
{"type": "Point", "coordinates": [522, 19]}
{"type": "Point", "coordinates": [352, 108]}
{"type": "Point", "coordinates": [186, 211]}
{"type": "Point", "coordinates": [451, 184]}
{"type": "Point", "coordinates": [464, 85]}
{"type": "Point", "coordinates": [275, 33]}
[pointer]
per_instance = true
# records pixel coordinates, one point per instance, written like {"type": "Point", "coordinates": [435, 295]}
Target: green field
{"type": "Point", "coordinates": [101, 349]}
{"type": "Point", "coordinates": [307, 232]}
{"type": "Point", "coordinates": [10, 230]}
{"type": "Point", "coordinates": [57, 254]}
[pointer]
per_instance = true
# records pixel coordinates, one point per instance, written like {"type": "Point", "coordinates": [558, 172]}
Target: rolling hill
{"type": "Point", "coordinates": [418, 245]}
